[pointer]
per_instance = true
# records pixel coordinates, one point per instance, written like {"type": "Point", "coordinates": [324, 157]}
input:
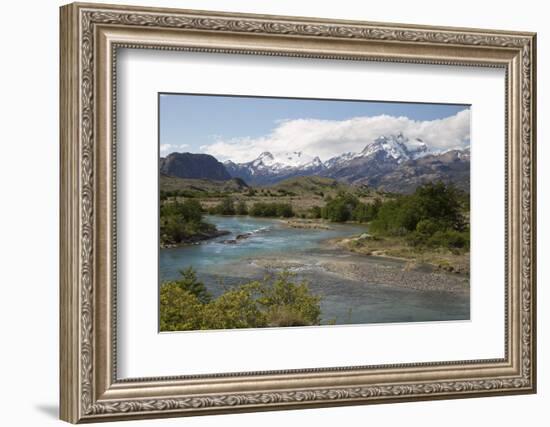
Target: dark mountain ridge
{"type": "Point", "coordinates": [196, 166]}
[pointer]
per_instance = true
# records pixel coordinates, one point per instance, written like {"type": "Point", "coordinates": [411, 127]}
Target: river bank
{"type": "Point", "coordinates": [307, 224]}
{"type": "Point", "coordinates": [195, 239]}
{"type": "Point", "coordinates": [366, 270]}
{"type": "Point", "coordinates": [355, 289]}
{"type": "Point", "coordinates": [439, 259]}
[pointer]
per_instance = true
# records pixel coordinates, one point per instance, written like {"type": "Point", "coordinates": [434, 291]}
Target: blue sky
{"type": "Point", "coordinates": [239, 128]}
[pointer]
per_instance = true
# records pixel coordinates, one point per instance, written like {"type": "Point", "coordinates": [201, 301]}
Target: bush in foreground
{"type": "Point", "coordinates": [273, 302]}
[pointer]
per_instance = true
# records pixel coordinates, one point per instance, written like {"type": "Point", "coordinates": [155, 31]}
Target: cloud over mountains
{"type": "Point", "coordinates": [329, 138]}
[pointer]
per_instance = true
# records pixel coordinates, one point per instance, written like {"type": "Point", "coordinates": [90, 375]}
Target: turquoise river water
{"type": "Point", "coordinates": [220, 265]}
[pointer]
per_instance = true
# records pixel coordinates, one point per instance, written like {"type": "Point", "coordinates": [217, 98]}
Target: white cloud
{"type": "Point", "coordinates": [170, 148]}
{"type": "Point", "coordinates": [329, 138]}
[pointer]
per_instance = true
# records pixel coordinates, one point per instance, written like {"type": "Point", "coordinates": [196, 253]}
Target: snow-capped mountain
{"type": "Point", "coordinates": [452, 166]}
{"type": "Point", "coordinates": [283, 161]}
{"type": "Point", "coordinates": [379, 157]}
{"type": "Point", "coordinates": [392, 162]}
{"type": "Point", "coordinates": [340, 160]}
{"type": "Point", "coordinates": [269, 168]}
{"type": "Point", "coordinates": [396, 147]}
{"type": "Point", "coordinates": [382, 154]}
{"type": "Point", "coordinates": [292, 159]}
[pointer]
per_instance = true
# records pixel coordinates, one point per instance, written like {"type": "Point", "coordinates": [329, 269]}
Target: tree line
{"type": "Point", "coordinates": [435, 215]}
{"type": "Point", "coordinates": [228, 206]}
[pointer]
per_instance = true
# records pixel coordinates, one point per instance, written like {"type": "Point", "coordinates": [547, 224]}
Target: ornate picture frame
{"type": "Point", "coordinates": [90, 37]}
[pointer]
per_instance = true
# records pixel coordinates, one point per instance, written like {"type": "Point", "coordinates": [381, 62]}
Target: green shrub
{"type": "Point", "coordinates": [241, 208]}
{"type": "Point", "coordinates": [274, 209]}
{"type": "Point", "coordinates": [438, 204]}
{"type": "Point", "coordinates": [236, 308]}
{"type": "Point", "coordinates": [340, 208]}
{"type": "Point", "coordinates": [190, 210]}
{"type": "Point", "coordinates": [186, 305]}
{"type": "Point", "coordinates": [451, 239]}
{"type": "Point", "coordinates": [225, 207]}
{"type": "Point", "coordinates": [366, 212]}
{"type": "Point", "coordinates": [414, 238]}
{"type": "Point", "coordinates": [359, 214]}
{"type": "Point", "coordinates": [180, 310]}
{"type": "Point", "coordinates": [181, 221]}
{"type": "Point", "coordinates": [189, 282]}
{"type": "Point", "coordinates": [314, 212]}
{"type": "Point", "coordinates": [433, 216]}
{"type": "Point", "coordinates": [284, 210]}
{"type": "Point", "coordinates": [263, 209]}
{"type": "Point", "coordinates": [427, 227]}
{"type": "Point", "coordinates": [290, 304]}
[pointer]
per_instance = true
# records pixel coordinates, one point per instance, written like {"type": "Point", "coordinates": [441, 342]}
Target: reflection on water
{"type": "Point", "coordinates": [221, 265]}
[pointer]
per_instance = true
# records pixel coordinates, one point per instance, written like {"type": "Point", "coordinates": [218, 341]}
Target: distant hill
{"type": "Point", "coordinates": [196, 166]}
{"type": "Point", "coordinates": [301, 187]}
{"type": "Point", "coordinates": [302, 193]}
{"type": "Point", "coordinates": [172, 183]}
{"type": "Point", "coordinates": [321, 186]}
{"type": "Point", "coordinates": [310, 184]}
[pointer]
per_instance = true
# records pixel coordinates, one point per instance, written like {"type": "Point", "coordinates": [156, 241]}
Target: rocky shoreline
{"type": "Point", "coordinates": [238, 238]}
{"type": "Point", "coordinates": [402, 275]}
{"type": "Point", "coordinates": [385, 272]}
{"type": "Point", "coordinates": [369, 246]}
{"type": "Point", "coordinates": [307, 224]}
{"type": "Point", "coordinates": [196, 239]}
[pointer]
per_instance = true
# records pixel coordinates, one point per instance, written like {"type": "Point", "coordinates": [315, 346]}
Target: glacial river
{"type": "Point", "coordinates": [271, 244]}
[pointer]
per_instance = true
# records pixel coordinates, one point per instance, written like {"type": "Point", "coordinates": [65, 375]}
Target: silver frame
{"type": "Point", "coordinates": [90, 37]}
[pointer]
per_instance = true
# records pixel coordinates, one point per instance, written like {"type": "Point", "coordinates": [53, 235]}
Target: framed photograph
{"type": "Point", "coordinates": [266, 212]}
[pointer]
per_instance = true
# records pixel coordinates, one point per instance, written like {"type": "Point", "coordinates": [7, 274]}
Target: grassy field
{"type": "Point", "coordinates": [302, 193]}
{"type": "Point", "coordinates": [452, 261]}
{"type": "Point", "coordinates": [201, 187]}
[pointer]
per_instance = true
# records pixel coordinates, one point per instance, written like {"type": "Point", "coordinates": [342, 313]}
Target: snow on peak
{"type": "Point", "coordinates": [291, 159]}
{"type": "Point", "coordinates": [417, 148]}
{"type": "Point", "coordinates": [294, 159]}
{"type": "Point", "coordinates": [263, 160]}
{"type": "Point", "coordinates": [399, 147]}
{"type": "Point", "coordinates": [396, 147]}
{"type": "Point", "coordinates": [341, 159]}
{"type": "Point", "coordinates": [392, 145]}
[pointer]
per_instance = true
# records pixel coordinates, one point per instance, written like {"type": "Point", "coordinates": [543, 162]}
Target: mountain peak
{"type": "Point", "coordinates": [391, 145]}
{"type": "Point", "coordinates": [193, 166]}
{"type": "Point", "coordinates": [264, 159]}
{"type": "Point", "coordinates": [385, 161]}
{"type": "Point", "coordinates": [283, 160]}
{"type": "Point", "coordinates": [397, 147]}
